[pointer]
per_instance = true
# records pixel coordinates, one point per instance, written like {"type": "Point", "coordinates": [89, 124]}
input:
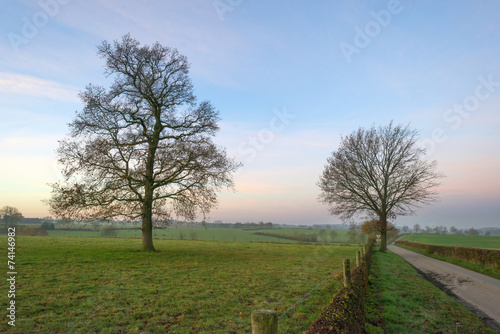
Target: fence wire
{"type": "Point", "coordinates": [317, 286]}
{"type": "Point", "coordinates": [307, 294]}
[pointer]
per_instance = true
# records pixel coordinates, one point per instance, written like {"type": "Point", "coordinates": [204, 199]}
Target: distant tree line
{"type": "Point", "coordinates": [451, 230]}
{"type": "Point", "coordinates": [11, 216]}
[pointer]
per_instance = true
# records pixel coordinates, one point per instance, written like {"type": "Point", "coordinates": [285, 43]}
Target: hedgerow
{"type": "Point", "coordinates": [296, 236]}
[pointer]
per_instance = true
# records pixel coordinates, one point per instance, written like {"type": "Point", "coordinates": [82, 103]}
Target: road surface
{"type": "Point", "coordinates": [478, 292]}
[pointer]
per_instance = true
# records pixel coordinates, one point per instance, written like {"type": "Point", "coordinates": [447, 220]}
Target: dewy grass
{"type": "Point", "coordinates": [86, 285]}
{"type": "Point", "coordinates": [200, 233]}
{"type": "Point", "coordinates": [402, 301]}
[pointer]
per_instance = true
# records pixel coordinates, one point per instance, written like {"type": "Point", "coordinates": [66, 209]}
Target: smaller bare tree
{"type": "Point", "coordinates": [378, 172]}
{"type": "Point", "coordinates": [472, 231]}
{"type": "Point", "coordinates": [333, 235]}
{"type": "Point", "coordinates": [352, 233]}
{"type": "Point", "coordinates": [416, 228]}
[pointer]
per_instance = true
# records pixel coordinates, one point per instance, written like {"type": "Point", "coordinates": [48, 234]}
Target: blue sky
{"type": "Point", "coordinates": [288, 78]}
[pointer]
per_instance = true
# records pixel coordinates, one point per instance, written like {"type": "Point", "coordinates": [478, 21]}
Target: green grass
{"type": "Point", "coordinates": [473, 241]}
{"type": "Point", "coordinates": [199, 233]}
{"type": "Point", "coordinates": [401, 301]}
{"type": "Point", "coordinates": [87, 285]}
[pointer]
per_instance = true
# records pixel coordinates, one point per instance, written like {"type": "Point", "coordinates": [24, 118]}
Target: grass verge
{"type": "Point", "coordinates": [401, 301]}
{"type": "Point", "coordinates": [495, 273]}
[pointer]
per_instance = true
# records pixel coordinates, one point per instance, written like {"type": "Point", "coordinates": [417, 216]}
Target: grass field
{"type": "Point", "coordinates": [86, 285]}
{"type": "Point", "coordinates": [212, 233]}
{"type": "Point", "coordinates": [401, 301]}
{"type": "Point", "coordinates": [474, 241]}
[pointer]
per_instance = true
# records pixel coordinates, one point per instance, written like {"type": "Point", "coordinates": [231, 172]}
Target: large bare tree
{"type": "Point", "coordinates": [143, 148]}
{"type": "Point", "coordinates": [380, 173]}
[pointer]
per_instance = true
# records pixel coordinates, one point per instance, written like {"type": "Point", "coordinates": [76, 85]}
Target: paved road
{"type": "Point", "coordinates": [478, 292]}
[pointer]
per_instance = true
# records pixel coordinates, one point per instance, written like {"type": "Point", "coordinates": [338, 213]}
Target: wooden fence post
{"type": "Point", "coordinates": [347, 273]}
{"type": "Point", "coordinates": [358, 258]}
{"type": "Point", "coordinates": [264, 322]}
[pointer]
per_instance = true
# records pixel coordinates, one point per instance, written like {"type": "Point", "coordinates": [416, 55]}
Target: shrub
{"type": "Point", "coordinates": [108, 232]}
{"type": "Point", "coordinates": [296, 236]}
{"type": "Point", "coordinates": [32, 231]}
{"type": "Point", "coordinates": [48, 226]}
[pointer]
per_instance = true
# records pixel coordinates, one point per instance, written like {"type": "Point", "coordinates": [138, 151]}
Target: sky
{"type": "Point", "coordinates": [288, 79]}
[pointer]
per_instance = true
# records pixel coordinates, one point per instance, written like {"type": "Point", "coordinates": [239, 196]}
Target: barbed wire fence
{"type": "Point", "coordinates": [266, 321]}
{"type": "Point", "coordinates": [313, 289]}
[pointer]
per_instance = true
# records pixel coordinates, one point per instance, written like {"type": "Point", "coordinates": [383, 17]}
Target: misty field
{"type": "Point", "coordinates": [473, 241]}
{"type": "Point", "coordinates": [83, 285]}
{"type": "Point", "coordinates": [213, 234]}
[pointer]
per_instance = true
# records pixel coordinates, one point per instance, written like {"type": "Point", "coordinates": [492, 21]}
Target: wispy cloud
{"type": "Point", "coordinates": [19, 84]}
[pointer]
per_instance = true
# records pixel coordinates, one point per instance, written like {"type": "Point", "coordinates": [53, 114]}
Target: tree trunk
{"type": "Point", "coordinates": [383, 240]}
{"type": "Point", "coordinates": [383, 234]}
{"type": "Point", "coordinates": [147, 235]}
{"type": "Point", "coordinates": [147, 209]}
{"type": "Point", "coordinates": [147, 221]}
